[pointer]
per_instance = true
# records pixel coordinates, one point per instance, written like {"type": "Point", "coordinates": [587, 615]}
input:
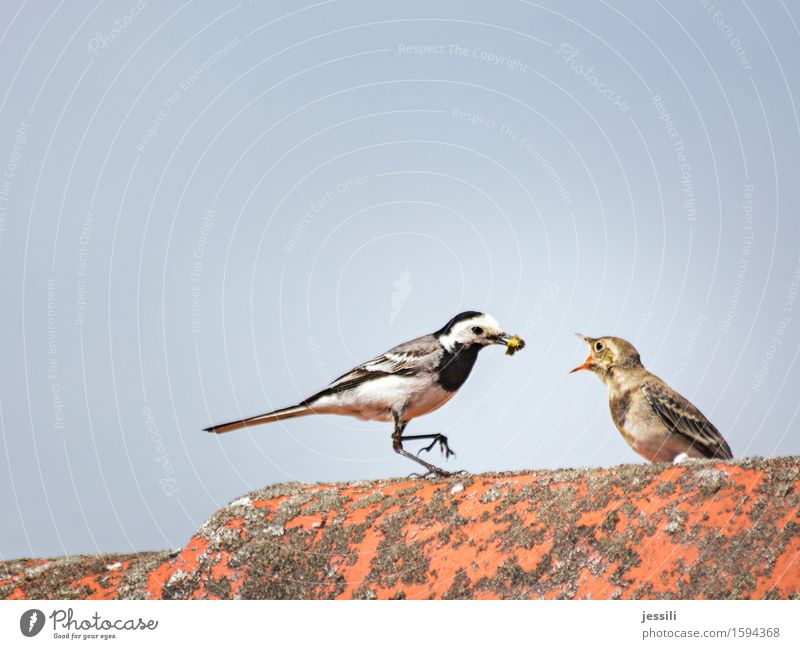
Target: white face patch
{"type": "Point", "coordinates": [478, 330]}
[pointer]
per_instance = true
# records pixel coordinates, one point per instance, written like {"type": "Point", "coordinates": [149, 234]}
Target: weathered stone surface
{"type": "Point", "coordinates": [700, 530]}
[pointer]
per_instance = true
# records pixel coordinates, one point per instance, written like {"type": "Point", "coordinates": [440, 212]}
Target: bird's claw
{"type": "Point", "coordinates": [437, 473]}
{"type": "Point", "coordinates": [443, 446]}
{"type": "Point", "coordinates": [433, 473]}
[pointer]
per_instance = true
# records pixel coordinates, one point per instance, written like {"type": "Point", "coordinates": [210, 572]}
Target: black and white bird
{"type": "Point", "coordinates": [405, 382]}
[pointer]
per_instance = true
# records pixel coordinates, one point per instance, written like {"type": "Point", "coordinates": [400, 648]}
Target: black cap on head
{"type": "Point", "coordinates": [466, 315]}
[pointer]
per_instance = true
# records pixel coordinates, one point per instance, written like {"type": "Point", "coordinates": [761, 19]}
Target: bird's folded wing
{"type": "Point", "coordinates": [685, 420]}
{"type": "Point", "coordinates": [406, 360]}
{"type": "Point", "coordinates": [398, 362]}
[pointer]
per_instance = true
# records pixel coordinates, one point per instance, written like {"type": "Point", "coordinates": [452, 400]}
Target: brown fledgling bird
{"type": "Point", "coordinates": [657, 422]}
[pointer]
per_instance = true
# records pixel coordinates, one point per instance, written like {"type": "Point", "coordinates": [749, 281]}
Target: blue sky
{"type": "Point", "coordinates": [209, 210]}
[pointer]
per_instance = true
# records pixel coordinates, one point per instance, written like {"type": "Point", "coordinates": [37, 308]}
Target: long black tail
{"type": "Point", "coordinates": [275, 415]}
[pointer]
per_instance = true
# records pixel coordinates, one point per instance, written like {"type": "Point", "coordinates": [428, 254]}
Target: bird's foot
{"type": "Point", "coordinates": [432, 470]}
{"type": "Point", "coordinates": [436, 473]}
{"type": "Point", "coordinates": [443, 446]}
{"type": "Point", "coordinates": [439, 473]}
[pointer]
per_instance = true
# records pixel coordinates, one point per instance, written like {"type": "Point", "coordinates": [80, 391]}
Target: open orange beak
{"type": "Point", "coordinates": [587, 364]}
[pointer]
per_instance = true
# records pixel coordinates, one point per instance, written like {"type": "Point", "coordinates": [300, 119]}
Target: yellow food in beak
{"type": "Point", "coordinates": [514, 344]}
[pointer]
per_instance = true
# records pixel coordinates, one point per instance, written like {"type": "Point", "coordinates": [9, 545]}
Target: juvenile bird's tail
{"type": "Point", "coordinates": [275, 415]}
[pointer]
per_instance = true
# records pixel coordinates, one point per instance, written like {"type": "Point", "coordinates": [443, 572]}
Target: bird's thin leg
{"type": "Point", "coordinates": [397, 444]}
{"type": "Point", "coordinates": [437, 438]}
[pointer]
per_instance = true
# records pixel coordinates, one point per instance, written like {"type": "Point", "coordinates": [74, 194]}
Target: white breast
{"type": "Point", "coordinates": [378, 398]}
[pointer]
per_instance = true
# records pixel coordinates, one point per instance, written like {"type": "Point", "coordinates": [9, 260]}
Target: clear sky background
{"type": "Point", "coordinates": [209, 210]}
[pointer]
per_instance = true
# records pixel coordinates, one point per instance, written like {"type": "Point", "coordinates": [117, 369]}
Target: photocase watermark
{"type": "Point", "coordinates": [505, 130]}
{"type": "Point", "coordinates": [744, 259]}
{"type": "Point", "coordinates": [569, 54]}
{"type": "Point", "coordinates": [318, 206]}
{"type": "Point", "coordinates": [490, 58]}
{"type": "Point", "coordinates": [84, 240]}
{"type": "Point", "coordinates": [688, 345]}
{"type": "Point", "coordinates": [474, 119]}
{"type": "Point", "coordinates": [168, 481]}
{"type": "Point", "coordinates": [67, 626]}
{"type": "Point", "coordinates": [784, 321]}
{"type": "Point", "coordinates": [530, 148]}
{"type": "Point", "coordinates": [687, 189]}
{"type": "Point", "coordinates": [31, 622]}
{"type": "Point", "coordinates": [7, 181]}
{"type": "Point", "coordinates": [402, 289]}
{"type": "Point", "coordinates": [454, 49]}
{"type": "Point", "coordinates": [641, 326]}
{"type": "Point", "coordinates": [187, 82]}
{"type": "Point", "coordinates": [547, 294]}
{"type": "Point", "coordinates": [206, 225]}
{"type": "Point", "coordinates": [727, 31]}
{"type": "Point", "coordinates": [101, 41]}
{"type": "Point", "coordinates": [53, 372]}
{"type": "Point", "coordinates": [315, 351]}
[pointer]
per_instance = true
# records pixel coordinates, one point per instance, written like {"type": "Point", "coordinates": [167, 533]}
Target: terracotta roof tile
{"type": "Point", "coordinates": [700, 530]}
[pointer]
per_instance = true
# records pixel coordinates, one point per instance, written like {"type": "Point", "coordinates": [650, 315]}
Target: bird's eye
{"type": "Point", "coordinates": [477, 331]}
{"type": "Point", "coordinates": [598, 346]}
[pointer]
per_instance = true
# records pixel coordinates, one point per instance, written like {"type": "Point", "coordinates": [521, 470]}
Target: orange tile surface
{"type": "Point", "coordinates": [702, 530]}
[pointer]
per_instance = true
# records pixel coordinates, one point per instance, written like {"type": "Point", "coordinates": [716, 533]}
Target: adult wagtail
{"type": "Point", "coordinates": [405, 382]}
{"type": "Point", "coordinates": [657, 422]}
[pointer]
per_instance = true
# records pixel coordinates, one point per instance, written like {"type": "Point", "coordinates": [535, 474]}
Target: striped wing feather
{"type": "Point", "coordinates": [406, 360]}
{"type": "Point", "coordinates": [685, 420]}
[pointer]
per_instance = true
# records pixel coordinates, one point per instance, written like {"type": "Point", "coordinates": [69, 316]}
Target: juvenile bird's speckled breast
{"type": "Point", "coordinates": [642, 428]}
{"type": "Point", "coordinates": [620, 405]}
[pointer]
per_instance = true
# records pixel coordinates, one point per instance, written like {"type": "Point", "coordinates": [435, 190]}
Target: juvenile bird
{"type": "Point", "coordinates": [405, 382]}
{"type": "Point", "coordinates": [657, 422]}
